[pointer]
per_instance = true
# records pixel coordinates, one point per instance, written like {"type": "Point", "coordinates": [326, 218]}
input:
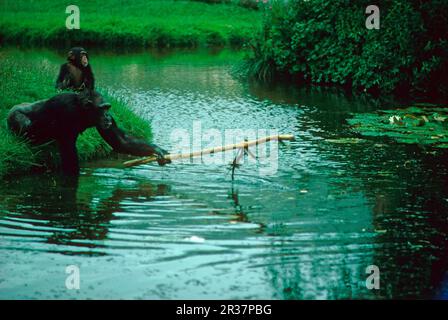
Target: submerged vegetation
{"type": "Point", "coordinates": [130, 23]}
{"type": "Point", "coordinates": [413, 125]}
{"type": "Point", "coordinates": [26, 82]}
{"type": "Point", "coordinates": [324, 42]}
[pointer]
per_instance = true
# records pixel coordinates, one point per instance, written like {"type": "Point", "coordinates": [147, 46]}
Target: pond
{"type": "Point", "coordinates": [334, 204]}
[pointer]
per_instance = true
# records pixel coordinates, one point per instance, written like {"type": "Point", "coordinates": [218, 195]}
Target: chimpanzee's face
{"type": "Point", "coordinates": [102, 107]}
{"type": "Point", "coordinates": [105, 119]}
{"type": "Point", "coordinates": [84, 60]}
{"type": "Point", "coordinates": [98, 116]}
{"type": "Point", "coordinates": [96, 109]}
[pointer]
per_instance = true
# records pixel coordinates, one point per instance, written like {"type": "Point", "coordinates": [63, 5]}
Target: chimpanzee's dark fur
{"type": "Point", "coordinates": [63, 117]}
{"type": "Point", "coordinates": [73, 75]}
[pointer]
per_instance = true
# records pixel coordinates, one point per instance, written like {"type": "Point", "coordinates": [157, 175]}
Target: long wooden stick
{"type": "Point", "coordinates": [244, 144]}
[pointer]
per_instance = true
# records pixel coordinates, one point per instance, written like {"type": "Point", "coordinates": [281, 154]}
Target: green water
{"type": "Point", "coordinates": [336, 205]}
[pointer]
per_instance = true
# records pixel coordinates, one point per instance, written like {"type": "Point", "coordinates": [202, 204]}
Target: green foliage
{"type": "Point", "coordinates": [27, 82]}
{"type": "Point", "coordinates": [424, 126]}
{"type": "Point", "coordinates": [327, 43]}
{"type": "Point", "coordinates": [251, 4]}
{"type": "Point", "coordinates": [130, 23]}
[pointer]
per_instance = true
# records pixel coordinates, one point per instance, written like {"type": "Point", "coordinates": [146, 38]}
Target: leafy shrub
{"type": "Point", "coordinates": [327, 43]}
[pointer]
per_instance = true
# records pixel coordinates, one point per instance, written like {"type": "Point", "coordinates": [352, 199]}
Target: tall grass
{"type": "Point", "coordinates": [136, 23]}
{"type": "Point", "coordinates": [26, 82]}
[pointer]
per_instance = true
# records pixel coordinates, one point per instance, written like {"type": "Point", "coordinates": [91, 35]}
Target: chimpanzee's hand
{"type": "Point", "coordinates": [160, 154]}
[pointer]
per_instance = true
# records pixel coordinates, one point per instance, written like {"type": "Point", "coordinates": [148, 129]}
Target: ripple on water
{"type": "Point", "coordinates": [187, 230]}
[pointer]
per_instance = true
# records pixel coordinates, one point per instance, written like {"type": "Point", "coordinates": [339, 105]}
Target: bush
{"type": "Point", "coordinates": [327, 43]}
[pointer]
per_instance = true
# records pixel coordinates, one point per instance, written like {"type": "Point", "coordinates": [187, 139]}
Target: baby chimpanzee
{"type": "Point", "coordinates": [76, 74]}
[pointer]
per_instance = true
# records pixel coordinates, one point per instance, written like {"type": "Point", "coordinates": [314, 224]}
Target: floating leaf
{"type": "Point", "coordinates": [439, 118]}
{"type": "Point", "coordinates": [413, 125]}
{"type": "Point", "coordinates": [345, 140]}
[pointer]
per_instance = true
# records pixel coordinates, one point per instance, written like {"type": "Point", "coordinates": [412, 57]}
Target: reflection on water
{"type": "Point", "coordinates": [309, 231]}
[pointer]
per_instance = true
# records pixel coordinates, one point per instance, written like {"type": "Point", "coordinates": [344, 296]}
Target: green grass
{"type": "Point", "coordinates": [128, 23]}
{"type": "Point", "coordinates": [26, 82]}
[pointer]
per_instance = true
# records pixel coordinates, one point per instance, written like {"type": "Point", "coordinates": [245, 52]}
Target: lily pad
{"type": "Point", "coordinates": [413, 125]}
{"type": "Point", "coordinates": [345, 140]}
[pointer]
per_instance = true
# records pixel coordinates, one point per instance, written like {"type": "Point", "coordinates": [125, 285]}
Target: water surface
{"type": "Point", "coordinates": [336, 205]}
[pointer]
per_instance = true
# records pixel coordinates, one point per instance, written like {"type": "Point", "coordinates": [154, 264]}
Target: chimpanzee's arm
{"type": "Point", "coordinates": [89, 79]}
{"type": "Point", "coordinates": [121, 142]}
{"type": "Point", "coordinates": [69, 155]}
{"type": "Point", "coordinates": [61, 84]}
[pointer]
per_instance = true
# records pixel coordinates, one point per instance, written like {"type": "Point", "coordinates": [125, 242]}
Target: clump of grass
{"type": "Point", "coordinates": [26, 82]}
{"type": "Point", "coordinates": [131, 23]}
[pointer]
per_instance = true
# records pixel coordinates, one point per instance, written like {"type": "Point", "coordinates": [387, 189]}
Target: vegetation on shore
{"type": "Point", "coordinates": [327, 43]}
{"type": "Point", "coordinates": [128, 23]}
{"type": "Point", "coordinates": [26, 82]}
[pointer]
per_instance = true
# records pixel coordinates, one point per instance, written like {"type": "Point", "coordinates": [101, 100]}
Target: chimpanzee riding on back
{"type": "Point", "coordinates": [76, 74]}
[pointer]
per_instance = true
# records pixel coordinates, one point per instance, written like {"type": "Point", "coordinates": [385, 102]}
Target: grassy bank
{"type": "Point", "coordinates": [130, 23]}
{"type": "Point", "coordinates": [26, 82]}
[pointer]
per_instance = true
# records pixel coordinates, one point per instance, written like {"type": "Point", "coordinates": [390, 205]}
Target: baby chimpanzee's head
{"type": "Point", "coordinates": [78, 56]}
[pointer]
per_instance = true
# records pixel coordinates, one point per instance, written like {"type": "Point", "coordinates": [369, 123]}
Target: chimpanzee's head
{"type": "Point", "coordinates": [104, 119]}
{"type": "Point", "coordinates": [78, 56]}
{"type": "Point", "coordinates": [96, 108]}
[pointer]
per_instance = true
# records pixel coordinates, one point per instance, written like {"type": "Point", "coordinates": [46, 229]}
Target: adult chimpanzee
{"type": "Point", "coordinates": [76, 74]}
{"type": "Point", "coordinates": [63, 117]}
